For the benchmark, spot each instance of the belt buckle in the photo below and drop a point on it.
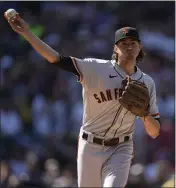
(90, 137)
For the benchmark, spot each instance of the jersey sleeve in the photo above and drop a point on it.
(85, 67)
(154, 111)
(66, 64)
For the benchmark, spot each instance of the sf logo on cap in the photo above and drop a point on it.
(125, 30)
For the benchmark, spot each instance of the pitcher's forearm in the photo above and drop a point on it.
(42, 48)
(152, 126)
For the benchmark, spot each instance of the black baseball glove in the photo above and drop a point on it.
(135, 97)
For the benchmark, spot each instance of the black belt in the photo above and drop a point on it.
(106, 142)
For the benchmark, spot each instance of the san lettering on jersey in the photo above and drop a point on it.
(107, 95)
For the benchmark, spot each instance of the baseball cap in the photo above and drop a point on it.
(126, 32)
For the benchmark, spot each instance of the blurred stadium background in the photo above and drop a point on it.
(41, 106)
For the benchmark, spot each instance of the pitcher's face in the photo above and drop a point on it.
(128, 48)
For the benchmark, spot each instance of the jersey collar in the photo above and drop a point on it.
(136, 76)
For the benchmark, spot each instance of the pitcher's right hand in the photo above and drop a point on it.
(17, 24)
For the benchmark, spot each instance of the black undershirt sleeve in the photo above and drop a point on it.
(158, 119)
(66, 64)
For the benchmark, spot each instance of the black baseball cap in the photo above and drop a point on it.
(126, 32)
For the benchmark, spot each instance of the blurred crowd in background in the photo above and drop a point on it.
(41, 105)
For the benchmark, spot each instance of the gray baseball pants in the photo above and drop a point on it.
(101, 166)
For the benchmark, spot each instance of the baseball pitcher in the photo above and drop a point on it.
(115, 93)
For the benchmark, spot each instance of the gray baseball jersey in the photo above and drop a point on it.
(101, 80)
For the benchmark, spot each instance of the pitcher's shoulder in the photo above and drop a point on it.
(96, 60)
(147, 78)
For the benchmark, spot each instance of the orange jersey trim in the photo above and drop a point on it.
(154, 114)
(77, 68)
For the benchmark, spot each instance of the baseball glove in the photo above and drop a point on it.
(135, 97)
